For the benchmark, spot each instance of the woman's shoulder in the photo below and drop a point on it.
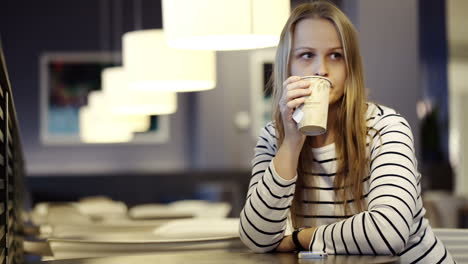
(269, 130)
(267, 138)
(378, 116)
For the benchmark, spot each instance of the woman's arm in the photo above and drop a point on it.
(393, 200)
(263, 218)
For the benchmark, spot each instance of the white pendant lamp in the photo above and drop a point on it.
(224, 24)
(125, 101)
(99, 125)
(152, 65)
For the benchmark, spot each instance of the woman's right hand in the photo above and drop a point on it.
(295, 92)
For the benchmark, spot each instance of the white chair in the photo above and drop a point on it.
(456, 241)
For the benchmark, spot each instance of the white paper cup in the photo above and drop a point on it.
(312, 116)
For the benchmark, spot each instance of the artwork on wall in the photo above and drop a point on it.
(261, 68)
(65, 81)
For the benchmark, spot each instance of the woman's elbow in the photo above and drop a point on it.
(399, 246)
(393, 246)
(255, 247)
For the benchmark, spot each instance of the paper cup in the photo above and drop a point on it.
(312, 116)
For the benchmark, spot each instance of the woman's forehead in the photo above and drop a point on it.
(316, 33)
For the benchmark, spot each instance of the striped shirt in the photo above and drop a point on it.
(392, 224)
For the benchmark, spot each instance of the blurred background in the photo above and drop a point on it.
(416, 61)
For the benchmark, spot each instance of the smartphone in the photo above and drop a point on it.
(312, 254)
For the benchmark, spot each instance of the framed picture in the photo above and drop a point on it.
(65, 81)
(261, 69)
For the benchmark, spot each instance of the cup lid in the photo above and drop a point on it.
(316, 76)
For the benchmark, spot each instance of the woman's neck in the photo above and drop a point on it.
(328, 137)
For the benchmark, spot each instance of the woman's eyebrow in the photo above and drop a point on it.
(313, 49)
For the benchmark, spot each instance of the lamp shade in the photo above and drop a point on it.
(99, 125)
(152, 65)
(224, 25)
(122, 100)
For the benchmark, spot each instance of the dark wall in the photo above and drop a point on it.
(30, 28)
(433, 55)
(140, 173)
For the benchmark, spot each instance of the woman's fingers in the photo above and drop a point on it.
(294, 103)
(291, 79)
(293, 94)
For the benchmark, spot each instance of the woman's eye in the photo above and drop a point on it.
(336, 55)
(306, 55)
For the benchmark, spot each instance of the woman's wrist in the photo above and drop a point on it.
(286, 245)
(305, 236)
(294, 145)
(297, 243)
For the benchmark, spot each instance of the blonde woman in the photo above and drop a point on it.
(353, 190)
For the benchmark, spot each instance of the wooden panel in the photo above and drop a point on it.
(11, 173)
(2, 232)
(2, 255)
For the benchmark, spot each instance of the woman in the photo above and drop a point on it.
(354, 189)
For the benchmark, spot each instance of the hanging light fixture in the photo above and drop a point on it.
(99, 125)
(152, 65)
(224, 25)
(122, 100)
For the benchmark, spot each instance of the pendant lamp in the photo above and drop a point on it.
(99, 125)
(152, 65)
(122, 100)
(224, 24)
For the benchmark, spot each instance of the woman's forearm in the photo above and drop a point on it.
(286, 160)
(305, 236)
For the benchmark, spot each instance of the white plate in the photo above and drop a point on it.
(109, 226)
(181, 209)
(196, 228)
(76, 248)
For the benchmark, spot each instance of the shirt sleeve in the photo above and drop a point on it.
(263, 219)
(392, 200)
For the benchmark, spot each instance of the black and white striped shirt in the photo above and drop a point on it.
(393, 223)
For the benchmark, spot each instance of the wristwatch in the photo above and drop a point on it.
(296, 241)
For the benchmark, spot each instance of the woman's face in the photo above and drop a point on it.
(317, 50)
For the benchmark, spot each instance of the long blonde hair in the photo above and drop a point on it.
(350, 136)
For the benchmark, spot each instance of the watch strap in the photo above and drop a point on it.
(295, 240)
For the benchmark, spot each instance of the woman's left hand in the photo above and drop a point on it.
(286, 245)
(304, 236)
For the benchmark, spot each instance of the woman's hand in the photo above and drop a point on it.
(304, 237)
(286, 159)
(295, 92)
(286, 245)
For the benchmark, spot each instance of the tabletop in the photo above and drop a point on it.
(238, 256)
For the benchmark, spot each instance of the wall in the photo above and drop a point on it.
(388, 35)
(203, 133)
(458, 88)
(220, 143)
(29, 28)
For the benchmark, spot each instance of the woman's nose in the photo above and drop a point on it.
(321, 69)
